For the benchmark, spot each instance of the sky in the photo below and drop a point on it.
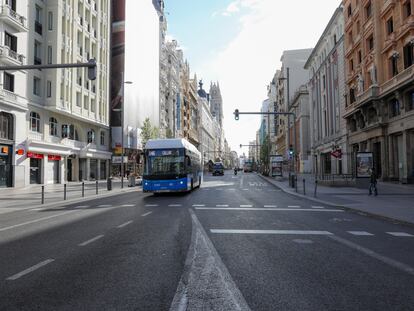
(239, 43)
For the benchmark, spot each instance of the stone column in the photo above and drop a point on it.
(62, 172)
(87, 169)
(404, 177)
(98, 168)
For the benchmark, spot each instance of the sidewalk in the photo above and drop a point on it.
(394, 201)
(12, 199)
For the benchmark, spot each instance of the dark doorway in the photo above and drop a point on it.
(69, 170)
(35, 171)
(377, 159)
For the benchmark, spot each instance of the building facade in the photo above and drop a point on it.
(68, 117)
(327, 101)
(14, 168)
(379, 45)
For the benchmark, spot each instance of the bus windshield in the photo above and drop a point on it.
(164, 163)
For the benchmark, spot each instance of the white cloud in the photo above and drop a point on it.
(247, 63)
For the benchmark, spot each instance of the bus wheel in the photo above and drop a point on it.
(192, 184)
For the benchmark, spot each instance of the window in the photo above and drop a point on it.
(37, 53)
(408, 55)
(6, 129)
(335, 39)
(102, 138)
(35, 122)
(352, 95)
(349, 10)
(50, 21)
(36, 86)
(53, 126)
(370, 43)
(393, 66)
(407, 9)
(359, 57)
(38, 20)
(8, 82)
(368, 10)
(410, 100)
(351, 65)
(395, 109)
(390, 26)
(91, 136)
(49, 54)
(49, 88)
(10, 41)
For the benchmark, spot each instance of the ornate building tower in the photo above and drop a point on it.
(216, 103)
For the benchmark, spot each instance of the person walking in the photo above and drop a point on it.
(373, 183)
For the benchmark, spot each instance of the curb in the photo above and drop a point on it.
(64, 203)
(347, 208)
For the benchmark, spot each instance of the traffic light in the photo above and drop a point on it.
(241, 145)
(291, 152)
(92, 69)
(236, 114)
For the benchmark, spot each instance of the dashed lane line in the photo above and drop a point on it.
(82, 206)
(104, 205)
(270, 205)
(293, 206)
(128, 205)
(35, 221)
(248, 205)
(29, 270)
(400, 234)
(360, 233)
(317, 207)
(151, 205)
(270, 209)
(198, 205)
(276, 232)
(146, 214)
(175, 205)
(222, 205)
(91, 240)
(125, 224)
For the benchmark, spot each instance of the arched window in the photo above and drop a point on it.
(53, 127)
(34, 122)
(91, 136)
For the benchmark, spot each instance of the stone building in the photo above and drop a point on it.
(379, 45)
(327, 101)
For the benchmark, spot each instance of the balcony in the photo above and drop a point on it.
(15, 20)
(37, 60)
(402, 78)
(38, 28)
(35, 136)
(371, 93)
(10, 57)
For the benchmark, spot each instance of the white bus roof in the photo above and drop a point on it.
(174, 143)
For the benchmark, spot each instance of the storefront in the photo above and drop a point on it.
(6, 168)
(52, 172)
(36, 160)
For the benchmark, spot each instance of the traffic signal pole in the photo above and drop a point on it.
(237, 114)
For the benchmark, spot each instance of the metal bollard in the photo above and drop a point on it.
(316, 187)
(96, 187)
(296, 183)
(83, 189)
(43, 194)
(304, 185)
(64, 192)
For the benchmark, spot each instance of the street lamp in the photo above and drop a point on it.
(122, 127)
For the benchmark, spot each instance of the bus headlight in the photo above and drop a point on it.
(181, 182)
(146, 184)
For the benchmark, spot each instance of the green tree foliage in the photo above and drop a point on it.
(169, 133)
(265, 154)
(148, 132)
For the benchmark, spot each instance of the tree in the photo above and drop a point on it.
(169, 133)
(148, 131)
(265, 154)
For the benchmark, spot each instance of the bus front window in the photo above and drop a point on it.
(164, 165)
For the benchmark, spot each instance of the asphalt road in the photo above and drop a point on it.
(238, 243)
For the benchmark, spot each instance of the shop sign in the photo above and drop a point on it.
(337, 153)
(4, 150)
(118, 160)
(33, 155)
(52, 157)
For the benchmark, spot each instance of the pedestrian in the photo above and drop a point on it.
(373, 183)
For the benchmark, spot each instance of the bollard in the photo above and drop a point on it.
(109, 184)
(43, 194)
(304, 184)
(316, 186)
(96, 187)
(296, 183)
(83, 189)
(64, 192)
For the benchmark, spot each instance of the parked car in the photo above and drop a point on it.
(218, 169)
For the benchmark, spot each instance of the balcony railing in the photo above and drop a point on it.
(13, 56)
(37, 60)
(401, 78)
(38, 27)
(8, 12)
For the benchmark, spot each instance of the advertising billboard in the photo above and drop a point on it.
(364, 164)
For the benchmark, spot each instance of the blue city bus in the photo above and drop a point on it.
(171, 165)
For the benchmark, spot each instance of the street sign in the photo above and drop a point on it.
(337, 153)
(118, 160)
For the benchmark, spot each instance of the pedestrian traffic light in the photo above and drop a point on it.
(291, 152)
(236, 114)
(92, 69)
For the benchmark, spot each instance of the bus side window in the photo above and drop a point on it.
(188, 161)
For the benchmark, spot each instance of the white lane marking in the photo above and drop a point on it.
(271, 209)
(317, 207)
(248, 205)
(151, 205)
(360, 233)
(198, 205)
(389, 261)
(175, 205)
(400, 234)
(37, 209)
(222, 205)
(293, 206)
(270, 206)
(128, 205)
(91, 240)
(125, 224)
(104, 205)
(29, 270)
(245, 189)
(146, 214)
(278, 232)
(34, 221)
(82, 206)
